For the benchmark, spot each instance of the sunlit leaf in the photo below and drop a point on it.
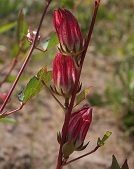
(7, 120)
(52, 42)
(32, 88)
(45, 75)
(102, 141)
(7, 27)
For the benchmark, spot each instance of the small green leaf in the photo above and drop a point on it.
(82, 96)
(7, 120)
(102, 141)
(22, 26)
(106, 136)
(115, 164)
(44, 75)
(52, 42)
(32, 88)
(7, 27)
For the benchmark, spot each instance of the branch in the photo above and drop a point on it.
(91, 152)
(27, 58)
(11, 112)
(53, 95)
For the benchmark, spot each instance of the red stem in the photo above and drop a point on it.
(4, 114)
(27, 58)
(69, 110)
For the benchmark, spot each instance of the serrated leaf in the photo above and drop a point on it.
(82, 96)
(44, 75)
(22, 26)
(125, 165)
(7, 27)
(32, 88)
(7, 120)
(115, 164)
(52, 42)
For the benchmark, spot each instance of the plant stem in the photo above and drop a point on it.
(53, 95)
(70, 107)
(27, 58)
(96, 148)
(4, 114)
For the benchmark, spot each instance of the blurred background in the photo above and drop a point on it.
(28, 138)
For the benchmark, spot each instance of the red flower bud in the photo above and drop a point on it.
(78, 127)
(68, 30)
(64, 74)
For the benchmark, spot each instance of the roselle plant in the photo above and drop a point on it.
(63, 81)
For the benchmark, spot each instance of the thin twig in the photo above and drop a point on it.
(95, 149)
(53, 95)
(42, 50)
(11, 112)
(27, 58)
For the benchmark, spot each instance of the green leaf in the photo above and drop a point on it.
(7, 120)
(32, 88)
(82, 96)
(102, 141)
(22, 26)
(7, 27)
(44, 75)
(115, 164)
(52, 42)
(125, 165)
(106, 136)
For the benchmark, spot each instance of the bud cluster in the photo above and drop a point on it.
(65, 64)
(64, 74)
